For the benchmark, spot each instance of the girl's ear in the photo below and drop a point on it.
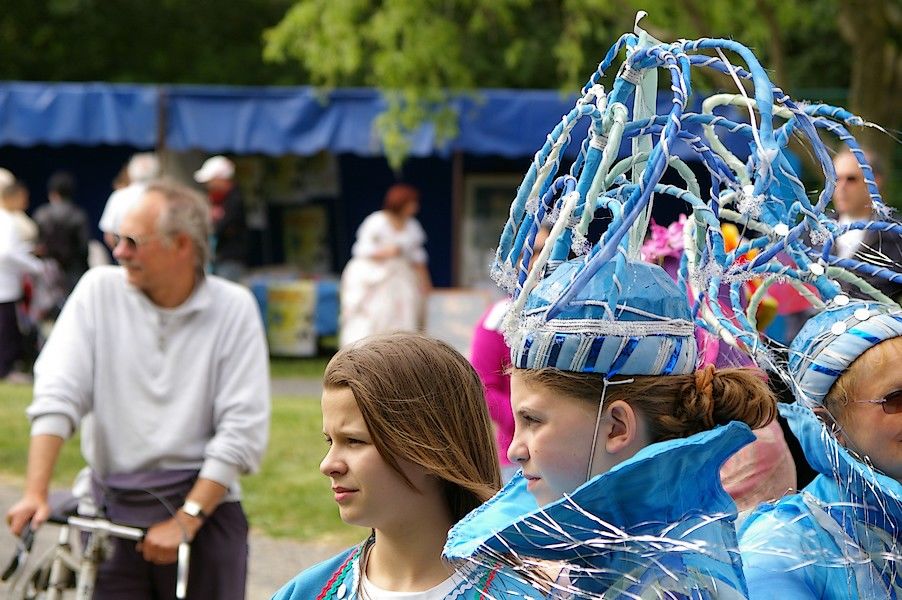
(623, 428)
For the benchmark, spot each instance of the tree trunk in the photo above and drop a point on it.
(876, 78)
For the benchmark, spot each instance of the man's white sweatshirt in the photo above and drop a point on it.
(177, 388)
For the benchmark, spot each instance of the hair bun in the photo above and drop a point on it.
(704, 381)
(742, 394)
(701, 408)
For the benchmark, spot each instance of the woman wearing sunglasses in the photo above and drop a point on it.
(839, 538)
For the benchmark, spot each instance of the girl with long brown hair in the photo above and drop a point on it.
(410, 452)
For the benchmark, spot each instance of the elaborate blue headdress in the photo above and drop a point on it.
(606, 313)
(832, 340)
(603, 311)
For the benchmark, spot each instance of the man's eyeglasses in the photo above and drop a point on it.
(891, 403)
(848, 178)
(132, 242)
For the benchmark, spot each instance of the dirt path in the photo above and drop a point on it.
(272, 562)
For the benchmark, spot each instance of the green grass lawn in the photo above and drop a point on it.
(311, 368)
(287, 498)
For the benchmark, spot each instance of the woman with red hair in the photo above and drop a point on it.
(384, 285)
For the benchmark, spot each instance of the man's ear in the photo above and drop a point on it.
(183, 242)
(624, 427)
(830, 421)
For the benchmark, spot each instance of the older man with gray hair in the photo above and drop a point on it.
(172, 368)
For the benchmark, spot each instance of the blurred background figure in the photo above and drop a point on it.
(217, 174)
(63, 230)
(16, 261)
(34, 284)
(852, 202)
(490, 356)
(14, 200)
(384, 285)
(121, 180)
(142, 167)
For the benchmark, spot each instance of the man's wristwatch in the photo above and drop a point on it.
(194, 509)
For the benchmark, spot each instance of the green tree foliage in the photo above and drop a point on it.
(141, 41)
(420, 51)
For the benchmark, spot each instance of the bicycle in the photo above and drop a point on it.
(68, 565)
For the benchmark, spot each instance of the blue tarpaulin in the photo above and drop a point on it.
(303, 121)
(86, 114)
(275, 120)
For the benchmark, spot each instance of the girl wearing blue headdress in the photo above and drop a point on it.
(620, 441)
(841, 536)
(410, 452)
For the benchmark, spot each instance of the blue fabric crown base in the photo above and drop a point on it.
(648, 332)
(819, 355)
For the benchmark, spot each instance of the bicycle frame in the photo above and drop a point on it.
(64, 560)
(94, 553)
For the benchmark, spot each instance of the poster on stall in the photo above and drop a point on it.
(452, 314)
(290, 311)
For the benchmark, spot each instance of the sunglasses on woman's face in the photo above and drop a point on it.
(891, 403)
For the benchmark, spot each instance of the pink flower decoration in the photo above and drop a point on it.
(664, 241)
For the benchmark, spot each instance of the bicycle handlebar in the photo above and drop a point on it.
(134, 533)
(181, 582)
(92, 525)
(23, 548)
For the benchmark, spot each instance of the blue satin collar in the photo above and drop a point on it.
(662, 484)
(874, 496)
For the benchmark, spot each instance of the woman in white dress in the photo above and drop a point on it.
(384, 285)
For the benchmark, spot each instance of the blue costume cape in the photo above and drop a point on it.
(498, 585)
(837, 539)
(308, 584)
(658, 522)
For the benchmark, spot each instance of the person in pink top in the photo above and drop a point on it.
(490, 356)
